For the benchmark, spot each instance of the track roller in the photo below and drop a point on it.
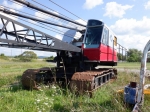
(88, 81)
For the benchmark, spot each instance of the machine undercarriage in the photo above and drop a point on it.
(85, 81)
(81, 77)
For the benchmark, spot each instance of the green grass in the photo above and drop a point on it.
(55, 99)
(132, 65)
(11, 71)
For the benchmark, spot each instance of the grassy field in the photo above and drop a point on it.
(132, 65)
(55, 99)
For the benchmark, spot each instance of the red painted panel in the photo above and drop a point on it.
(103, 53)
(112, 54)
(91, 53)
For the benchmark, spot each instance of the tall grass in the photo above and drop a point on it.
(53, 98)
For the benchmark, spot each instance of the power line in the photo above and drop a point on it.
(26, 13)
(52, 10)
(45, 27)
(66, 10)
(59, 13)
(49, 8)
(28, 4)
(52, 16)
(38, 11)
(32, 17)
(38, 22)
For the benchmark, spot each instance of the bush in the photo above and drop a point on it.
(51, 58)
(134, 55)
(2, 56)
(26, 56)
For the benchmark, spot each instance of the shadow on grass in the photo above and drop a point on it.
(14, 87)
(18, 77)
(58, 107)
(106, 106)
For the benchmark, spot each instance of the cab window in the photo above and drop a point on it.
(105, 36)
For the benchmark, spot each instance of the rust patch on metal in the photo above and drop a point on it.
(28, 78)
(32, 77)
(81, 82)
(88, 81)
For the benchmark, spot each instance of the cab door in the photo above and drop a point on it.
(104, 45)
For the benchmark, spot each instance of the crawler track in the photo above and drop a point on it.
(88, 81)
(31, 78)
(85, 81)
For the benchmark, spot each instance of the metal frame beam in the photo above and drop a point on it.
(42, 41)
(35, 19)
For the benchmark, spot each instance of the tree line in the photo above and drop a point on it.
(26, 56)
(132, 55)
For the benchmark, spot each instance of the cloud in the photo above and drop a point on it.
(81, 21)
(133, 41)
(124, 26)
(9, 25)
(58, 37)
(147, 5)
(14, 5)
(132, 33)
(77, 26)
(90, 4)
(42, 16)
(113, 9)
(7, 15)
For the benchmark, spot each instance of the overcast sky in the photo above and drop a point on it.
(128, 19)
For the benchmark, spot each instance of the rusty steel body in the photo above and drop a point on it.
(81, 82)
(140, 95)
(88, 81)
(32, 77)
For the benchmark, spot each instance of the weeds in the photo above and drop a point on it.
(55, 99)
(43, 103)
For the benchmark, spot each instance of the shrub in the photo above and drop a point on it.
(2, 56)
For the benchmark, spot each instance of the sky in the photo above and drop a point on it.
(128, 19)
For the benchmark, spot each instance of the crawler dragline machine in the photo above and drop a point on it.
(76, 58)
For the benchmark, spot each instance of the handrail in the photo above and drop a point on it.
(140, 95)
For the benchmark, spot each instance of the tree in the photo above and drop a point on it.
(121, 57)
(49, 59)
(134, 55)
(27, 56)
(2, 56)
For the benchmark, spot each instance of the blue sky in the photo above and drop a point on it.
(128, 19)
